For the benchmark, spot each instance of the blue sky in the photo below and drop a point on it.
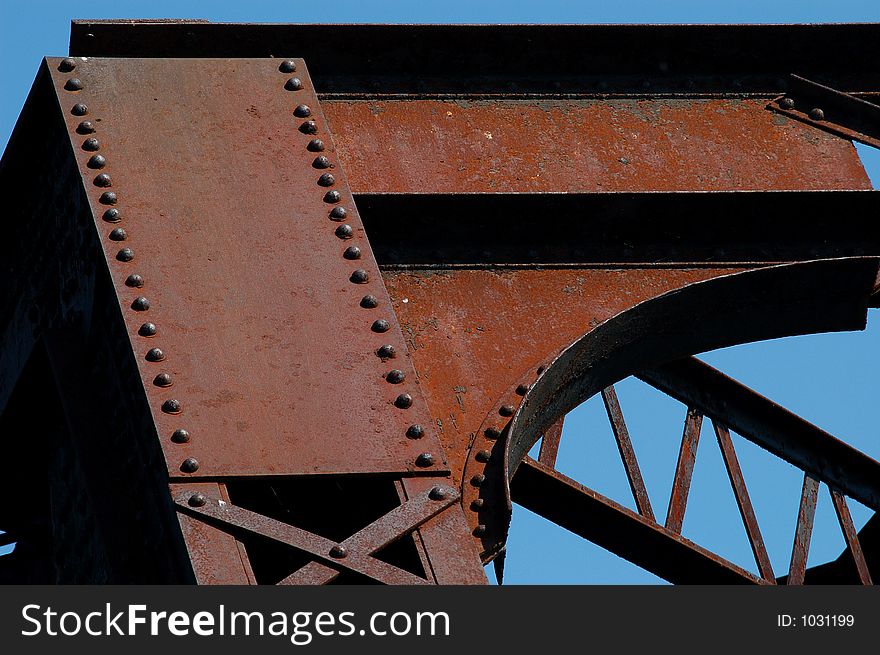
(828, 379)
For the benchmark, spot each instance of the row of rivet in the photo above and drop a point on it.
(484, 455)
(344, 231)
(816, 113)
(125, 254)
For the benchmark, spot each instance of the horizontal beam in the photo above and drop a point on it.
(620, 530)
(518, 59)
(770, 426)
(657, 228)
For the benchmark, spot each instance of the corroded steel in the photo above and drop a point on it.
(345, 387)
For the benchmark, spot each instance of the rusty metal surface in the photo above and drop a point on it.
(472, 146)
(851, 536)
(830, 110)
(471, 341)
(627, 454)
(261, 326)
(770, 426)
(803, 531)
(621, 530)
(743, 502)
(684, 470)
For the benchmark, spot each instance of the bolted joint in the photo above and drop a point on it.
(190, 465)
(140, 304)
(180, 436)
(172, 406)
(155, 355)
(395, 376)
(198, 499)
(147, 330)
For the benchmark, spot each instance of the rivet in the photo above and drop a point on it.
(439, 493)
(480, 530)
(332, 196)
(293, 84)
(415, 432)
(66, 65)
(134, 280)
(180, 436)
(171, 406)
(155, 355)
(309, 127)
(817, 114)
(477, 504)
(140, 304)
(118, 234)
(315, 145)
(147, 330)
(125, 255)
(786, 103)
(190, 465)
(478, 479)
(79, 109)
(425, 459)
(380, 325)
(344, 231)
(522, 389)
(108, 198)
(360, 276)
(492, 433)
(395, 376)
(91, 144)
(338, 214)
(326, 179)
(302, 111)
(111, 216)
(540, 370)
(483, 456)
(198, 499)
(507, 410)
(352, 252)
(97, 161)
(73, 84)
(321, 162)
(338, 551)
(86, 127)
(405, 401)
(162, 380)
(386, 352)
(287, 66)
(103, 180)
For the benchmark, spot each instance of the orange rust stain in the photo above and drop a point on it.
(474, 333)
(422, 146)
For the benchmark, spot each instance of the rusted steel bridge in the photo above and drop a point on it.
(290, 304)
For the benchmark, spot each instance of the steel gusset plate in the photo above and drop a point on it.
(265, 338)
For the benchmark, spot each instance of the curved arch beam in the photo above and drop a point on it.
(777, 301)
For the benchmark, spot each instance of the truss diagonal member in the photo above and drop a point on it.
(770, 426)
(397, 523)
(550, 443)
(746, 511)
(851, 536)
(804, 531)
(627, 453)
(684, 471)
(620, 530)
(328, 552)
